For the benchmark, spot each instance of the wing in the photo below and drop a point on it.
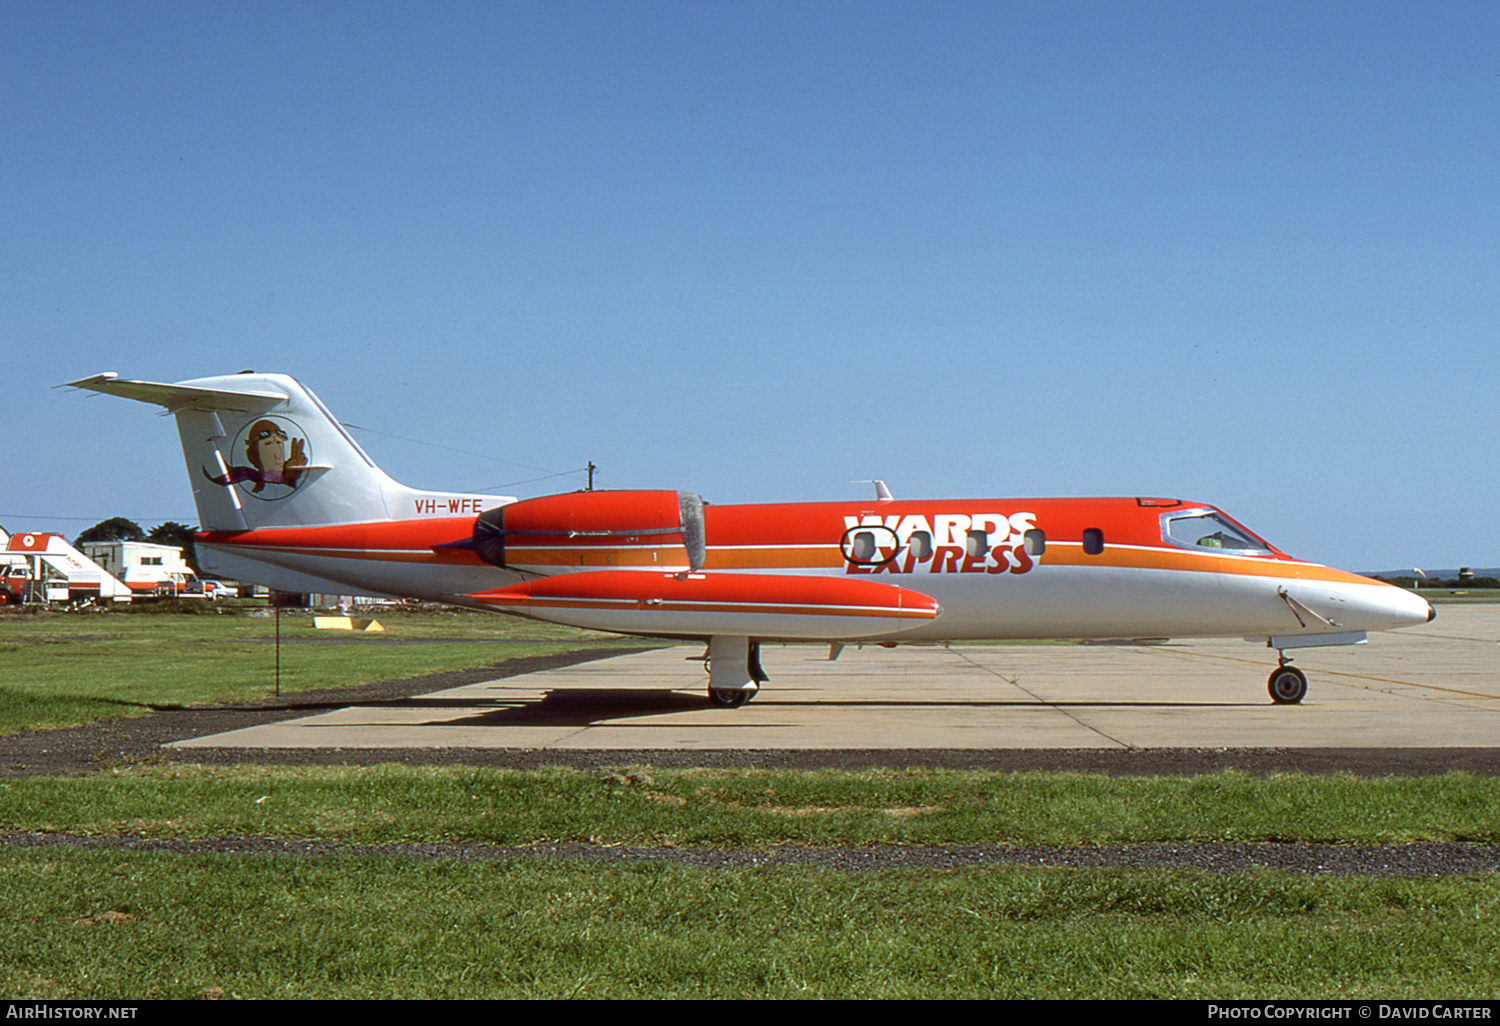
(764, 606)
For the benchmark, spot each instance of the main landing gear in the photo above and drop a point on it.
(730, 698)
(1287, 684)
(734, 671)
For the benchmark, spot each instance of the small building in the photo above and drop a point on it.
(145, 567)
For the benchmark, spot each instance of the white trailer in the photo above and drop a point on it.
(145, 567)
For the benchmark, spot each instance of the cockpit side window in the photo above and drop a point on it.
(1207, 530)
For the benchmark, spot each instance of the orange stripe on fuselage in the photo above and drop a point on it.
(825, 557)
(1140, 558)
(595, 556)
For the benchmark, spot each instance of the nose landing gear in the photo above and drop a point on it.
(1287, 684)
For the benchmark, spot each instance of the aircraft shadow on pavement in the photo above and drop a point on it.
(578, 707)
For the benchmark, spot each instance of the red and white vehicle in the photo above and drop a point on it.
(15, 583)
(43, 567)
(212, 589)
(288, 499)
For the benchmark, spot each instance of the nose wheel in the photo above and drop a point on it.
(1287, 684)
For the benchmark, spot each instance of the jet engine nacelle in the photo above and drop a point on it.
(659, 530)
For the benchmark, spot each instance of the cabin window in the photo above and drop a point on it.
(869, 545)
(863, 547)
(1093, 541)
(921, 544)
(1212, 531)
(1034, 541)
(977, 543)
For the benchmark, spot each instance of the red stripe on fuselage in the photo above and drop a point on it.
(397, 540)
(806, 536)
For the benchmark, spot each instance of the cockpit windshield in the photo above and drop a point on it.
(1205, 529)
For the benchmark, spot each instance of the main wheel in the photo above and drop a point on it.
(1288, 685)
(729, 698)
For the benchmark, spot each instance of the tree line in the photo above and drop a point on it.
(123, 529)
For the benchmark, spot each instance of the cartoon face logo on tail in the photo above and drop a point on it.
(277, 451)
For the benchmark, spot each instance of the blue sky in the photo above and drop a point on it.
(1243, 253)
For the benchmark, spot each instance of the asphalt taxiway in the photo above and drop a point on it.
(1436, 686)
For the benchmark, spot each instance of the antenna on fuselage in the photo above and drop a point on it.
(882, 493)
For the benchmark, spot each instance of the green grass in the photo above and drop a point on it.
(1441, 596)
(65, 669)
(109, 925)
(748, 808)
(96, 924)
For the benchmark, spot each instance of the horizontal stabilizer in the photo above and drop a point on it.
(181, 397)
(698, 605)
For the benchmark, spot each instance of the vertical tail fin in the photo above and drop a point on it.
(263, 451)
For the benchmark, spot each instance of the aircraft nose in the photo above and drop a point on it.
(1412, 609)
(1386, 607)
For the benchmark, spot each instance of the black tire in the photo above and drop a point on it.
(729, 698)
(1287, 685)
